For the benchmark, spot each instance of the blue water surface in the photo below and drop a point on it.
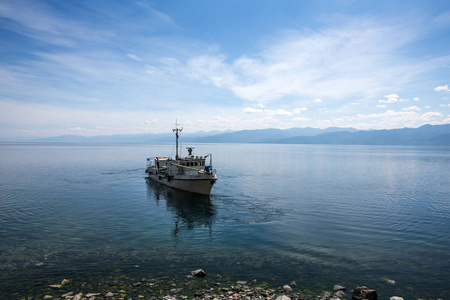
(318, 215)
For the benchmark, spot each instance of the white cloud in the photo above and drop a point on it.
(411, 108)
(275, 112)
(134, 57)
(381, 106)
(442, 88)
(391, 98)
(253, 110)
(301, 119)
(297, 111)
(429, 116)
(278, 112)
(416, 99)
(338, 63)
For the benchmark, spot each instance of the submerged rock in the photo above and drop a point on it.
(284, 297)
(287, 288)
(338, 287)
(198, 273)
(339, 294)
(363, 292)
(78, 296)
(389, 281)
(396, 298)
(89, 295)
(55, 286)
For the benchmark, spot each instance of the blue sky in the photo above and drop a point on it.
(119, 67)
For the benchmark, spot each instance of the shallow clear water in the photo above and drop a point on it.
(315, 214)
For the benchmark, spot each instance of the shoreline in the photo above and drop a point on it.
(193, 286)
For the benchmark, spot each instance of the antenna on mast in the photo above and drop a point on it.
(176, 130)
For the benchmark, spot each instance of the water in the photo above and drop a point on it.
(318, 215)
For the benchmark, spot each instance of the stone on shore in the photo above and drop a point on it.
(363, 292)
(396, 298)
(198, 273)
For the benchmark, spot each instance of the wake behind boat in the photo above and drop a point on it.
(191, 173)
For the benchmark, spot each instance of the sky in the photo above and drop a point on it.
(130, 67)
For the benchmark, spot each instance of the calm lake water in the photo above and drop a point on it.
(318, 215)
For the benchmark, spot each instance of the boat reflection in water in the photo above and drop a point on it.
(191, 210)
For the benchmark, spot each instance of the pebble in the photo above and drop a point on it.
(283, 297)
(215, 291)
(287, 288)
(78, 296)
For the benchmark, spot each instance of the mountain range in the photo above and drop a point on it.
(437, 135)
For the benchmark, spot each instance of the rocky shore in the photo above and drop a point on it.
(195, 287)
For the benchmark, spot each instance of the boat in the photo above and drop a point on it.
(190, 173)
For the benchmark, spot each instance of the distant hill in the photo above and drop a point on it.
(425, 135)
(438, 135)
(267, 135)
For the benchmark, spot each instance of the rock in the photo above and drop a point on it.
(176, 291)
(199, 273)
(48, 297)
(339, 294)
(363, 292)
(396, 298)
(64, 281)
(338, 287)
(109, 295)
(389, 281)
(55, 286)
(241, 282)
(78, 296)
(284, 297)
(68, 294)
(287, 288)
(89, 295)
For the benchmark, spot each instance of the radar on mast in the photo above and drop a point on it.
(176, 130)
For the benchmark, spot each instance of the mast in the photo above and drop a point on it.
(176, 130)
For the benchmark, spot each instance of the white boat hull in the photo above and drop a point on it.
(200, 184)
